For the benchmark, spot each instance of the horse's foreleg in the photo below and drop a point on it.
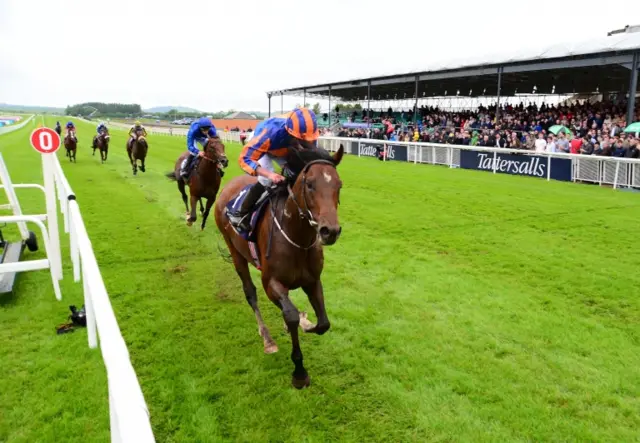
(185, 199)
(142, 167)
(316, 298)
(279, 295)
(242, 268)
(191, 217)
(201, 207)
(205, 214)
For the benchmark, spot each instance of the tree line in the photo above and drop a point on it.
(105, 109)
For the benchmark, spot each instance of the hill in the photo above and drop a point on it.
(28, 108)
(159, 109)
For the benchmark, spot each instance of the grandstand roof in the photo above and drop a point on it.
(240, 116)
(601, 64)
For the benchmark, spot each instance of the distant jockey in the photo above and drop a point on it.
(199, 131)
(58, 129)
(271, 141)
(71, 131)
(136, 130)
(100, 129)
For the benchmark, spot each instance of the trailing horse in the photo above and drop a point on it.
(102, 143)
(204, 179)
(70, 145)
(289, 227)
(137, 150)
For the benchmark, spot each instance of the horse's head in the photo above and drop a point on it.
(214, 150)
(316, 189)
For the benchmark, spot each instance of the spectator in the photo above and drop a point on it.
(541, 143)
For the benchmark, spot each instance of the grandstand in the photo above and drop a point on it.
(598, 68)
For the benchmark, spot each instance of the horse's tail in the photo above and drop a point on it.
(171, 176)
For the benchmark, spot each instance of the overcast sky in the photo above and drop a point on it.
(219, 55)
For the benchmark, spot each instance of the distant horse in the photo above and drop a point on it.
(137, 150)
(204, 179)
(102, 143)
(300, 217)
(70, 145)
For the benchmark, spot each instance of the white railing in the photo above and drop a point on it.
(129, 416)
(616, 171)
(128, 411)
(15, 127)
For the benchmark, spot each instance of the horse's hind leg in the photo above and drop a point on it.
(205, 214)
(279, 295)
(192, 217)
(185, 199)
(242, 268)
(201, 207)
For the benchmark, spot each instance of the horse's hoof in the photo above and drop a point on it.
(271, 349)
(300, 383)
(189, 223)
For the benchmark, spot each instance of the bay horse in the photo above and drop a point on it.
(102, 143)
(137, 150)
(204, 179)
(304, 213)
(70, 145)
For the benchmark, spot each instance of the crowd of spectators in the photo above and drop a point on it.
(596, 128)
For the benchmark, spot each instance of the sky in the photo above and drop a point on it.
(220, 55)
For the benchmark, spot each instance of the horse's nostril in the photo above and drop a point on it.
(324, 232)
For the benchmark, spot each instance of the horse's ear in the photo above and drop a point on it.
(337, 157)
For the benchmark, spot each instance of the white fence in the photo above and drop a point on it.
(11, 128)
(616, 171)
(129, 416)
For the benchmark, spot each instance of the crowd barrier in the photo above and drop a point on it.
(11, 128)
(615, 171)
(129, 416)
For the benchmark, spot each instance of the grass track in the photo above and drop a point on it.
(465, 306)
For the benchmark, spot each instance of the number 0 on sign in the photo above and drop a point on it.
(45, 140)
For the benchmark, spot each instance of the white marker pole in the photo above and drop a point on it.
(48, 171)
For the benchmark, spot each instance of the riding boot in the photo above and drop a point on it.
(187, 167)
(240, 219)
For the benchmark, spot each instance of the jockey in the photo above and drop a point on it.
(58, 128)
(100, 129)
(71, 131)
(270, 141)
(133, 132)
(199, 131)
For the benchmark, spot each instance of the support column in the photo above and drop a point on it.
(415, 106)
(633, 87)
(369, 100)
(329, 106)
(282, 102)
(269, 97)
(304, 98)
(499, 86)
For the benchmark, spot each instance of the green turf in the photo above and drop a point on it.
(465, 306)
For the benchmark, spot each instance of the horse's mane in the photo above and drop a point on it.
(298, 159)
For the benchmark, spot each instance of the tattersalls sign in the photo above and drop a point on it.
(517, 164)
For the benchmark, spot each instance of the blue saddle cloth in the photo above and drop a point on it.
(256, 213)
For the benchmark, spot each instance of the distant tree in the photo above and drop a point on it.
(316, 109)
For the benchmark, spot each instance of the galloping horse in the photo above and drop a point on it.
(304, 214)
(102, 143)
(204, 180)
(137, 150)
(71, 147)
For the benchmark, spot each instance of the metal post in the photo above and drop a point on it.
(633, 86)
(415, 107)
(329, 106)
(369, 100)
(282, 102)
(499, 85)
(304, 98)
(269, 96)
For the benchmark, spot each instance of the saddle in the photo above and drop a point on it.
(255, 213)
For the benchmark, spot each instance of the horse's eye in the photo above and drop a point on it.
(310, 186)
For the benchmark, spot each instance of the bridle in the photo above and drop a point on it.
(212, 160)
(305, 213)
